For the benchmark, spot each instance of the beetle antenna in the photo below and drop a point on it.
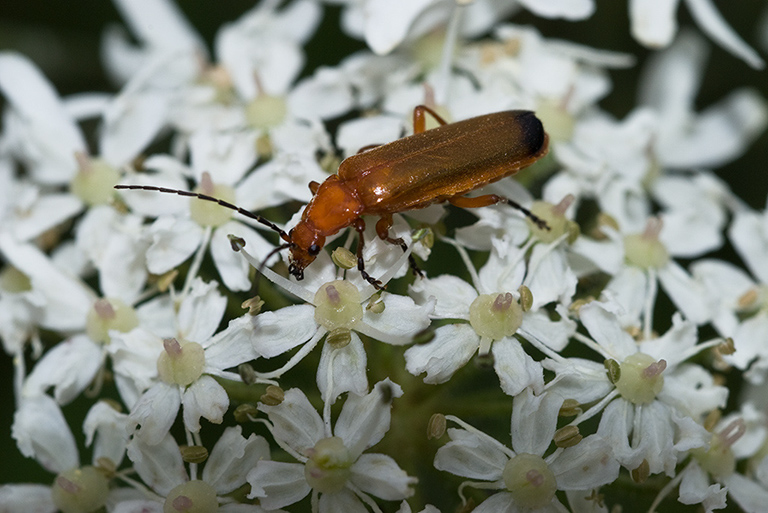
(239, 210)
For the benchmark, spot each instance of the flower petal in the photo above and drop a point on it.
(231, 459)
(380, 475)
(277, 484)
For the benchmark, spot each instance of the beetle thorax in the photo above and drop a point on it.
(334, 207)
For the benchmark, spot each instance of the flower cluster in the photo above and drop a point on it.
(189, 328)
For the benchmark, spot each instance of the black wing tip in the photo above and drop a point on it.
(532, 130)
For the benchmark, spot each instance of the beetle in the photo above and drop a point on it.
(430, 166)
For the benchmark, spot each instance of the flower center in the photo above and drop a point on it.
(338, 305)
(641, 378)
(80, 490)
(180, 364)
(109, 314)
(554, 216)
(495, 316)
(645, 250)
(719, 460)
(191, 497)
(14, 281)
(327, 469)
(266, 111)
(94, 181)
(208, 213)
(530, 481)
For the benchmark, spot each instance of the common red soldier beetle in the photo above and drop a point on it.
(430, 166)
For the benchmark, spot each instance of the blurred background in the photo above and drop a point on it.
(63, 39)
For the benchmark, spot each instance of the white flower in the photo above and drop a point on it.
(332, 465)
(161, 467)
(42, 432)
(654, 25)
(495, 315)
(342, 308)
(526, 477)
(156, 376)
(651, 413)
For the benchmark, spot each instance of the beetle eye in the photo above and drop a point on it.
(313, 250)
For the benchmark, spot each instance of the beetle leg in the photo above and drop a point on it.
(360, 227)
(420, 118)
(492, 199)
(382, 229)
(313, 187)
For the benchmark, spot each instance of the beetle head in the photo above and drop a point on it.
(306, 244)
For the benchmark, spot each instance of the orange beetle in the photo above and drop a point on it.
(430, 166)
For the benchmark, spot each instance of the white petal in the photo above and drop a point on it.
(606, 331)
(387, 22)
(364, 420)
(69, 367)
(135, 354)
(567, 9)
(204, 398)
(201, 311)
(174, 239)
(277, 484)
(400, 321)
(450, 350)
(47, 212)
(122, 268)
(155, 412)
(748, 235)
(688, 295)
(41, 432)
(231, 347)
(674, 345)
(295, 421)
(357, 133)
(342, 370)
(380, 475)
(653, 21)
(226, 156)
(30, 498)
(672, 78)
(549, 277)
(515, 368)
(503, 502)
(68, 300)
(233, 268)
(326, 94)
(36, 101)
(695, 489)
(231, 459)
(583, 380)
(159, 23)
(616, 427)
(554, 334)
(343, 500)
(453, 295)
(749, 495)
(534, 420)
(692, 391)
(277, 332)
(159, 465)
(110, 429)
(131, 122)
(713, 24)
(629, 288)
(470, 455)
(588, 464)
(719, 134)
